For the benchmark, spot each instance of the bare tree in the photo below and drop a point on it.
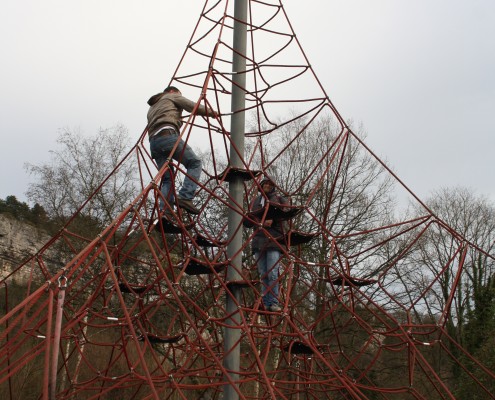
(344, 189)
(452, 257)
(345, 192)
(80, 169)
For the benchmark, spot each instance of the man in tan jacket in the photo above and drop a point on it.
(164, 122)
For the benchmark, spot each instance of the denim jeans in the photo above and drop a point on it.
(268, 265)
(161, 147)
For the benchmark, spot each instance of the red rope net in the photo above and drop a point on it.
(368, 295)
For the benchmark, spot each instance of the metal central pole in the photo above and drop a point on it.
(232, 331)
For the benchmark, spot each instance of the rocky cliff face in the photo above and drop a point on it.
(18, 241)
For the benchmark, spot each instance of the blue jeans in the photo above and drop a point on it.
(268, 265)
(161, 147)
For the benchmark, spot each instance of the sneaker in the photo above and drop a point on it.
(187, 205)
(168, 214)
(274, 308)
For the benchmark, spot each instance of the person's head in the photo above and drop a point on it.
(171, 89)
(267, 184)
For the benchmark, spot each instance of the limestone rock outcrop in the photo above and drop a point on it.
(18, 241)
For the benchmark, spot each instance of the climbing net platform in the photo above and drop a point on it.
(369, 286)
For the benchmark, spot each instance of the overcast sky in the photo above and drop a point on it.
(419, 75)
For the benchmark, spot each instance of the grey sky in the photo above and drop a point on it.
(417, 74)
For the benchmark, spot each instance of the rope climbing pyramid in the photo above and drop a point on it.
(169, 305)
